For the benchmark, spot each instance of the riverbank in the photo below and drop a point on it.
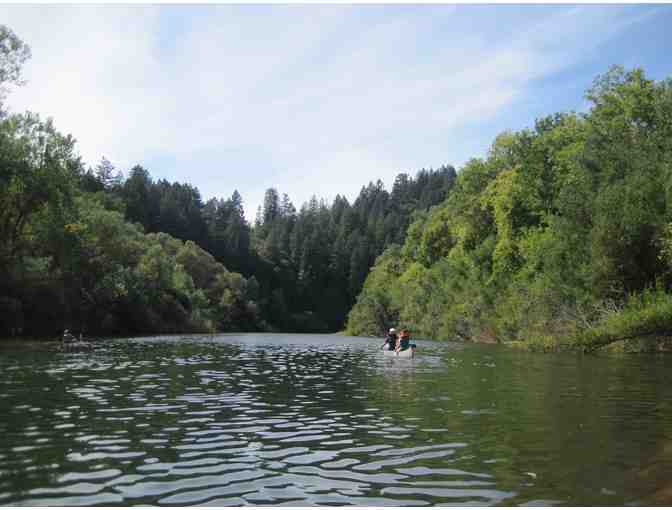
(640, 345)
(641, 323)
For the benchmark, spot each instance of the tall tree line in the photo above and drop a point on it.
(309, 264)
(560, 237)
(96, 250)
(96, 253)
(313, 262)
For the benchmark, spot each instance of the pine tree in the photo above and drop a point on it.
(286, 207)
(138, 197)
(271, 205)
(105, 173)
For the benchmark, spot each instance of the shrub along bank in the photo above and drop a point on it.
(560, 238)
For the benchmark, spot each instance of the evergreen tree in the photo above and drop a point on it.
(271, 208)
(140, 205)
(105, 172)
(286, 207)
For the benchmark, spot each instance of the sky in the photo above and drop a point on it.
(315, 99)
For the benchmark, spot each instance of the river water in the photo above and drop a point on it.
(259, 419)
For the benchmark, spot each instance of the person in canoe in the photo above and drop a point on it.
(404, 341)
(391, 340)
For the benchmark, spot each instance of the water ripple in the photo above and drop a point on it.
(256, 420)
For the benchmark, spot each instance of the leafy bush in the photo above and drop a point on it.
(534, 240)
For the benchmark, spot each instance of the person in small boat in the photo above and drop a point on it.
(391, 340)
(404, 341)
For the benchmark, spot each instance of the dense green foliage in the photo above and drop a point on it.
(68, 259)
(309, 265)
(561, 236)
(94, 251)
(314, 262)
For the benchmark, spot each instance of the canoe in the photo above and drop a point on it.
(76, 346)
(408, 353)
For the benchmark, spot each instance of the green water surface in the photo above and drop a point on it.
(259, 419)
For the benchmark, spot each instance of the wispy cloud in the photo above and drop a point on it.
(310, 99)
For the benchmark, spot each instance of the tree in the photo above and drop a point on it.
(286, 207)
(271, 209)
(13, 54)
(38, 168)
(141, 206)
(105, 173)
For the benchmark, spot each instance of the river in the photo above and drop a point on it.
(271, 419)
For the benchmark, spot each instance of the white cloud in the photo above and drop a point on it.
(309, 99)
(92, 71)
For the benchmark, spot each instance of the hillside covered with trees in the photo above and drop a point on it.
(561, 236)
(93, 250)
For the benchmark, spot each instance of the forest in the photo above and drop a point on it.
(560, 238)
(103, 253)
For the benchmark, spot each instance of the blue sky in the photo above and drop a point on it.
(316, 99)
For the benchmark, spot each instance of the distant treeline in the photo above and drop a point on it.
(92, 250)
(312, 264)
(561, 236)
(306, 267)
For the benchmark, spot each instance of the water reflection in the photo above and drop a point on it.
(301, 420)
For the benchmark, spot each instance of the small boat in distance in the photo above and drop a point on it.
(406, 353)
(70, 343)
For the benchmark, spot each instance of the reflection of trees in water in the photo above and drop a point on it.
(651, 478)
(576, 422)
(21, 423)
(398, 382)
(322, 379)
(574, 429)
(565, 425)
